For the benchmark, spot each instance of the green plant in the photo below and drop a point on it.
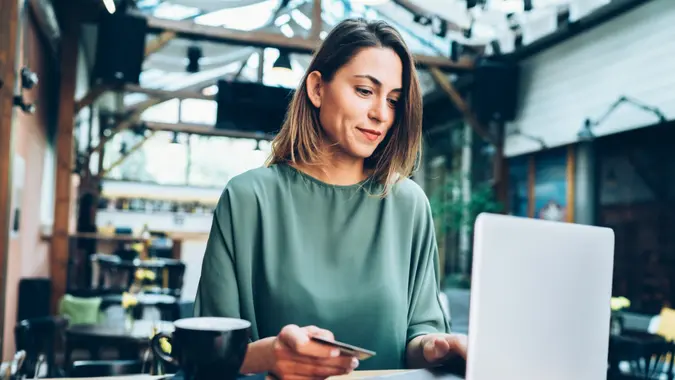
(448, 205)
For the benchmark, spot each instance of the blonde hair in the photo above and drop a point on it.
(301, 137)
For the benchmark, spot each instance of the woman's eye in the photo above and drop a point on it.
(363, 91)
(393, 102)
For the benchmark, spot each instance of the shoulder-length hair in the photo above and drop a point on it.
(300, 137)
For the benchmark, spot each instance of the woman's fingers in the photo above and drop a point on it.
(309, 370)
(297, 340)
(323, 333)
(347, 362)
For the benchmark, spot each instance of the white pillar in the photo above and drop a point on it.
(585, 192)
(465, 183)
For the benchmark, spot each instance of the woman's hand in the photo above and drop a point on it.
(297, 357)
(438, 347)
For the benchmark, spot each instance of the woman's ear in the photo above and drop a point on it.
(314, 86)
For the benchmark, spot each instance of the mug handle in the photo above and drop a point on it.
(157, 348)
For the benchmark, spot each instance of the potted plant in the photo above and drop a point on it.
(617, 304)
(456, 213)
(129, 302)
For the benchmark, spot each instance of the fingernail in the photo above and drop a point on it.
(334, 353)
(355, 363)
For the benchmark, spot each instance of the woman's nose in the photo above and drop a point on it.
(380, 111)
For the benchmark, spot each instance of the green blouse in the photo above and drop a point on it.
(286, 248)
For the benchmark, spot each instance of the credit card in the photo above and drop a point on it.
(346, 349)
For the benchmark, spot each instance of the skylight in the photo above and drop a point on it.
(301, 19)
(171, 11)
(244, 18)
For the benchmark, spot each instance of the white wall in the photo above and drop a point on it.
(632, 55)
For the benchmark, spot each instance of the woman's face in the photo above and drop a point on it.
(358, 106)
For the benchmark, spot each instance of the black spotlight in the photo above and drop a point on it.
(194, 53)
(422, 20)
(439, 26)
(28, 78)
(527, 5)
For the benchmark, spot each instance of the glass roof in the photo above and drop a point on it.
(492, 20)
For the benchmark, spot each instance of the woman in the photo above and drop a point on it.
(332, 233)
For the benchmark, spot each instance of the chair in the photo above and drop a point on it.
(645, 358)
(37, 337)
(101, 368)
(171, 273)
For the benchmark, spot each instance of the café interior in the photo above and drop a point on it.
(121, 121)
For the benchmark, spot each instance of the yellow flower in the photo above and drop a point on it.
(145, 274)
(618, 303)
(165, 345)
(128, 300)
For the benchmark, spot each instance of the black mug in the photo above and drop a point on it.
(205, 347)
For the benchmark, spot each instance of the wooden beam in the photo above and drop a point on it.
(317, 23)
(461, 105)
(167, 94)
(59, 249)
(190, 30)
(9, 19)
(133, 149)
(90, 97)
(125, 124)
(205, 130)
(158, 43)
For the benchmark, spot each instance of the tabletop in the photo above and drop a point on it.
(353, 375)
(416, 374)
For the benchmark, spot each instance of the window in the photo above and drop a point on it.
(203, 161)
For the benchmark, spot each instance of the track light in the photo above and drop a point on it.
(496, 48)
(28, 78)
(194, 53)
(439, 26)
(25, 107)
(456, 50)
(422, 20)
(469, 32)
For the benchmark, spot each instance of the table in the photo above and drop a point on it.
(421, 374)
(126, 341)
(631, 346)
(354, 375)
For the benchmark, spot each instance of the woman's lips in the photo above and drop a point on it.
(370, 134)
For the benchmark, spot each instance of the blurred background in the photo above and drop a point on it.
(121, 121)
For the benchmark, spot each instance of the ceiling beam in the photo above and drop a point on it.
(158, 43)
(191, 30)
(166, 94)
(317, 23)
(450, 90)
(205, 130)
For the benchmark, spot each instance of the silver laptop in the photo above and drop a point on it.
(540, 300)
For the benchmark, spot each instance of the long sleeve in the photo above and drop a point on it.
(425, 313)
(218, 292)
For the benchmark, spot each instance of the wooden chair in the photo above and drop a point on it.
(38, 337)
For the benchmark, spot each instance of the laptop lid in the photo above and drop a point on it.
(540, 300)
